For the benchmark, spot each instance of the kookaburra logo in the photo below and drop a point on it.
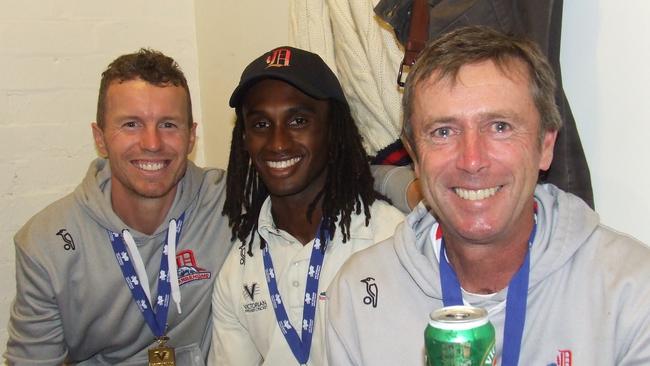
(67, 238)
(372, 290)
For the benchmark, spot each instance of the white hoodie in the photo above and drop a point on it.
(588, 296)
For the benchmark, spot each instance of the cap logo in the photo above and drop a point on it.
(280, 57)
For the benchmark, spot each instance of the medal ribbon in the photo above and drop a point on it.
(515, 301)
(300, 349)
(156, 321)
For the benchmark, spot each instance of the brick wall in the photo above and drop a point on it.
(51, 57)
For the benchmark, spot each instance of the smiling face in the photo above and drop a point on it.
(478, 150)
(146, 137)
(286, 135)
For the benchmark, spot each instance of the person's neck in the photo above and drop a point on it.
(487, 267)
(290, 215)
(142, 214)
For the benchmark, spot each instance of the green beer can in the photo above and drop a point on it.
(460, 336)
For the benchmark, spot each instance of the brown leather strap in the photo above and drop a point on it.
(418, 36)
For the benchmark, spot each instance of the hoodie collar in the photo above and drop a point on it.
(415, 251)
(94, 195)
(564, 224)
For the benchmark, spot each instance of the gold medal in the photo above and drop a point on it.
(162, 355)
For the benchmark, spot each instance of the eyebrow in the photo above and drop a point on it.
(499, 114)
(481, 116)
(139, 118)
(292, 110)
(302, 108)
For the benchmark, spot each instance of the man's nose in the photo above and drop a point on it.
(473, 154)
(280, 139)
(150, 139)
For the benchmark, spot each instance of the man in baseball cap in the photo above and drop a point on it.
(300, 200)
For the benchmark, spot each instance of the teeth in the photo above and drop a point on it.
(150, 166)
(282, 163)
(475, 195)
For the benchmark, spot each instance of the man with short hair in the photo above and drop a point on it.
(560, 288)
(300, 201)
(121, 271)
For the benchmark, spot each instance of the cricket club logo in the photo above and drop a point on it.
(251, 290)
(564, 358)
(250, 305)
(188, 271)
(279, 57)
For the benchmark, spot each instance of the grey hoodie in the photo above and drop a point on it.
(588, 296)
(72, 301)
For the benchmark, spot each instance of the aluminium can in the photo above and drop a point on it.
(460, 336)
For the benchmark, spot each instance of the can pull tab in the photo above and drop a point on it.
(458, 316)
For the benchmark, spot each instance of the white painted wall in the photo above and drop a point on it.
(51, 56)
(606, 74)
(230, 35)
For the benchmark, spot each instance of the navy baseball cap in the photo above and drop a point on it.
(302, 69)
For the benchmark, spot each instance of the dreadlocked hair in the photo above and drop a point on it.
(343, 194)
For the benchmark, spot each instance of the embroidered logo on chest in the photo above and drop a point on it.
(372, 292)
(564, 358)
(251, 290)
(67, 238)
(188, 270)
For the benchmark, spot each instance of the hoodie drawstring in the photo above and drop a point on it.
(171, 263)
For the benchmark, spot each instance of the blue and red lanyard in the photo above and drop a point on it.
(515, 301)
(300, 346)
(157, 321)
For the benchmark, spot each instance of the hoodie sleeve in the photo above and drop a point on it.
(630, 291)
(637, 353)
(394, 182)
(341, 336)
(35, 329)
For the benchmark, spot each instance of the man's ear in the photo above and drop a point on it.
(548, 143)
(411, 151)
(413, 190)
(407, 146)
(192, 138)
(98, 136)
(243, 142)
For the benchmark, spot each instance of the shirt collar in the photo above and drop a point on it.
(267, 227)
